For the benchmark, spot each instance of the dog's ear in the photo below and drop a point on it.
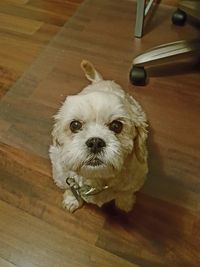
(140, 123)
(55, 134)
(58, 133)
(90, 72)
(140, 143)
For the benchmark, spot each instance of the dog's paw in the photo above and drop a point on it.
(61, 184)
(70, 203)
(125, 203)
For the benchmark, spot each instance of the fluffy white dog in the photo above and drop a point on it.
(99, 145)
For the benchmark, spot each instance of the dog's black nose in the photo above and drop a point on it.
(95, 144)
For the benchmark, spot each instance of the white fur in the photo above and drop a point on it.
(125, 156)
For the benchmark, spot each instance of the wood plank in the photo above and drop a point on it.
(169, 2)
(61, 7)
(26, 240)
(25, 31)
(18, 2)
(5, 263)
(163, 229)
(34, 13)
(152, 234)
(26, 183)
(18, 24)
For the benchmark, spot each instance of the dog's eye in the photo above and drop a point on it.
(116, 126)
(75, 126)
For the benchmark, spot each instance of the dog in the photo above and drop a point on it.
(99, 151)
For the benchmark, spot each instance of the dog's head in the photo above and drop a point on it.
(99, 128)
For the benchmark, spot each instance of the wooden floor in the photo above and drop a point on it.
(26, 27)
(41, 49)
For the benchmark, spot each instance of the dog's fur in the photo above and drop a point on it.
(123, 160)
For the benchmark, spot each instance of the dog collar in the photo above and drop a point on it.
(83, 191)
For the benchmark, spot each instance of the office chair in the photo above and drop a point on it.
(158, 54)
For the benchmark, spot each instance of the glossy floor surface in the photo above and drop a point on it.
(163, 229)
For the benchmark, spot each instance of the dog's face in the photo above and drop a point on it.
(98, 130)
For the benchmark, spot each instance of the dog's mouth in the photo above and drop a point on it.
(94, 162)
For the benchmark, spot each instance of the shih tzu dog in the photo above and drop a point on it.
(99, 149)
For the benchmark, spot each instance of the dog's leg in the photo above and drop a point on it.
(125, 201)
(70, 202)
(59, 177)
(58, 173)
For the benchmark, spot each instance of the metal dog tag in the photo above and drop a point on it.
(74, 188)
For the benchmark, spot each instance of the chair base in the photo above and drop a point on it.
(161, 54)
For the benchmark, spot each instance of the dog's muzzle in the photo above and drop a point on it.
(94, 162)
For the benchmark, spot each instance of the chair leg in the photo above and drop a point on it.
(161, 54)
(140, 15)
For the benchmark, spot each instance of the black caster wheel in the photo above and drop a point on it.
(179, 17)
(138, 76)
